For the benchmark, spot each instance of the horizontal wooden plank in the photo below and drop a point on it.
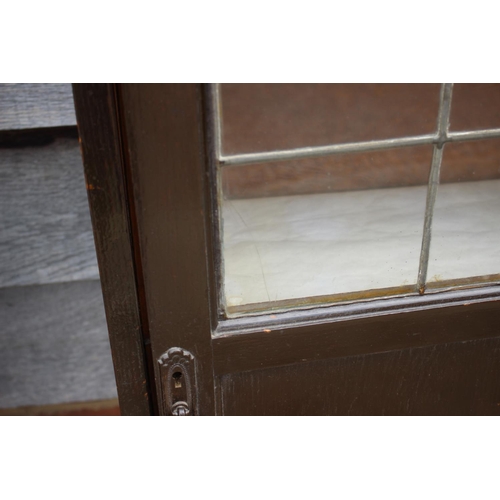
(265, 341)
(45, 229)
(265, 117)
(54, 345)
(34, 105)
(107, 407)
(449, 379)
(471, 161)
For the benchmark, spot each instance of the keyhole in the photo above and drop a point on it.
(177, 376)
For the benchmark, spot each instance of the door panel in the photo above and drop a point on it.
(448, 379)
(276, 340)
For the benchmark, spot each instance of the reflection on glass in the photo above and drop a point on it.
(344, 227)
(340, 226)
(266, 117)
(476, 106)
(465, 244)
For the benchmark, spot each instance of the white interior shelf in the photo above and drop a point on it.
(291, 247)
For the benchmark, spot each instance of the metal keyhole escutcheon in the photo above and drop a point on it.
(177, 370)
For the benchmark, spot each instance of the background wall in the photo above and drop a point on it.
(54, 344)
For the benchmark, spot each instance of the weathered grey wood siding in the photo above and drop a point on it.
(34, 105)
(45, 229)
(54, 345)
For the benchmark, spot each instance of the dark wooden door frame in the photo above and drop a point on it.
(107, 183)
(143, 149)
(148, 163)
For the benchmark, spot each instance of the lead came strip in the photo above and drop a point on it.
(332, 149)
(437, 156)
(312, 152)
(217, 116)
(355, 147)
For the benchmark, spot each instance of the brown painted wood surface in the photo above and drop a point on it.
(437, 359)
(471, 161)
(291, 343)
(108, 198)
(262, 117)
(475, 106)
(35, 105)
(269, 116)
(447, 379)
(165, 145)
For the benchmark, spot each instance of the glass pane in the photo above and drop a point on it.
(343, 227)
(465, 243)
(475, 106)
(266, 117)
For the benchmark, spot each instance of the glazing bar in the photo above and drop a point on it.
(473, 135)
(356, 147)
(441, 137)
(217, 118)
(311, 152)
(443, 124)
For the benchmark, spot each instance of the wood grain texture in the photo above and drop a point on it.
(448, 379)
(34, 105)
(291, 342)
(150, 216)
(54, 345)
(472, 161)
(268, 116)
(475, 106)
(100, 135)
(166, 149)
(260, 117)
(45, 230)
